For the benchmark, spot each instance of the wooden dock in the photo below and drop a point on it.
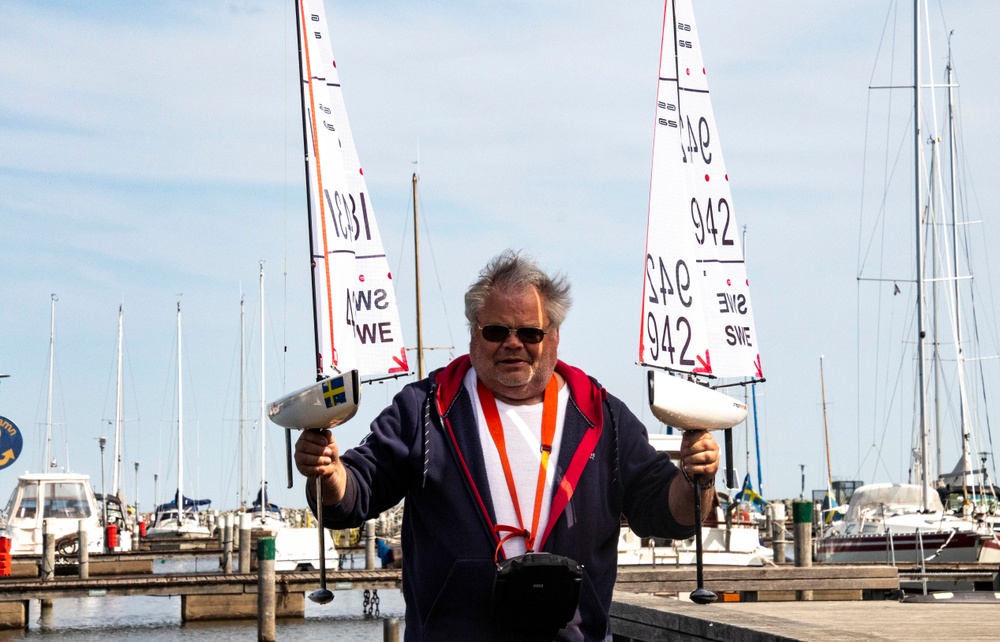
(179, 584)
(763, 583)
(204, 596)
(639, 617)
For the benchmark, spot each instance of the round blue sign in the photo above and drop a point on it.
(10, 442)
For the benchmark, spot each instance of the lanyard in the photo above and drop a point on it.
(550, 406)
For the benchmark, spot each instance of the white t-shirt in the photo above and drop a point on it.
(522, 429)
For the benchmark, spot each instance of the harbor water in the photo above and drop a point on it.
(158, 619)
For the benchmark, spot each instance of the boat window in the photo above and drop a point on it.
(66, 500)
(9, 510)
(29, 500)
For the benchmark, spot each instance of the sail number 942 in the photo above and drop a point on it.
(656, 270)
(706, 226)
(661, 338)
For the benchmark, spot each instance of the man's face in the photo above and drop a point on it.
(516, 372)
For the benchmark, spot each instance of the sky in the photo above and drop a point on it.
(151, 153)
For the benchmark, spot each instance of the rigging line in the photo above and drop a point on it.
(402, 237)
(437, 272)
(889, 173)
(887, 408)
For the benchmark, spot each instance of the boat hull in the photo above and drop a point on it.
(324, 404)
(187, 527)
(931, 547)
(297, 549)
(743, 549)
(63, 502)
(686, 405)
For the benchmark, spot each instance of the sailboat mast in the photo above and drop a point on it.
(966, 435)
(243, 401)
(180, 424)
(416, 262)
(309, 205)
(52, 361)
(826, 426)
(263, 397)
(918, 213)
(116, 473)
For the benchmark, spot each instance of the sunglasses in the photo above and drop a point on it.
(499, 333)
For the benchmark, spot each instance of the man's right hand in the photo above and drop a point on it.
(317, 455)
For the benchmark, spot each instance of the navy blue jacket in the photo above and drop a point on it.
(425, 448)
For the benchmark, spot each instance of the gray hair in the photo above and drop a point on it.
(510, 272)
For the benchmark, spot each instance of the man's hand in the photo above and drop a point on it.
(317, 455)
(699, 454)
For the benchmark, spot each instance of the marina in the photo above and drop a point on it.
(901, 561)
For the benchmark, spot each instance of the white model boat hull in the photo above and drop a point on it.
(324, 404)
(687, 405)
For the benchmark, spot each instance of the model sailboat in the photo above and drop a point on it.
(697, 323)
(696, 315)
(355, 315)
(356, 319)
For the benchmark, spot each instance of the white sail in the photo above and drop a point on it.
(696, 313)
(356, 308)
(356, 314)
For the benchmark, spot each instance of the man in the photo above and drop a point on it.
(503, 452)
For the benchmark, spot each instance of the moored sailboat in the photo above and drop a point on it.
(58, 503)
(294, 548)
(114, 505)
(180, 517)
(900, 522)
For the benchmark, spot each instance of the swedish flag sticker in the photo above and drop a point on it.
(334, 392)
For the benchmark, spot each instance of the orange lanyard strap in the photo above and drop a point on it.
(550, 407)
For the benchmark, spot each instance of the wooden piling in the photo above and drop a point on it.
(227, 543)
(265, 590)
(390, 629)
(369, 544)
(778, 532)
(83, 555)
(802, 515)
(244, 542)
(48, 569)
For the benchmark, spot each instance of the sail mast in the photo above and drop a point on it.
(180, 425)
(918, 212)
(52, 360)
(962, 413)
(826, 427)
(116, 473)
(243, 401)
(416, 263)
(263, 397)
